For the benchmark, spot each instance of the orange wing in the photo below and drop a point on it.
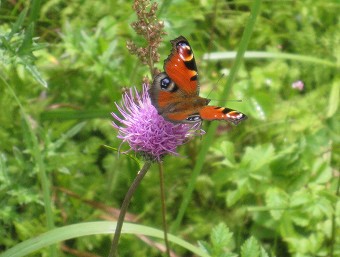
(221, 113)
(175, 92)
(181, 66)
(172, 103)
(164, 93)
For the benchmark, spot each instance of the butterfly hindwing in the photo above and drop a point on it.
(221, 113)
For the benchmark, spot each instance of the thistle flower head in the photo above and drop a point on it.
(145, 130)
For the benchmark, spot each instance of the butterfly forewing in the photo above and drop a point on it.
(181, 66)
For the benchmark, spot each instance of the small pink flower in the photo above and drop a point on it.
(298, 85)
(146, 131)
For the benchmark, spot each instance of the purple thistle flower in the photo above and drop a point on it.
(148, 132)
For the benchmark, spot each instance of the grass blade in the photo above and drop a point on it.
(92, 228)
(213, 126)
(268, 55)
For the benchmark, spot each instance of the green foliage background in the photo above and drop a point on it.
(275, 177)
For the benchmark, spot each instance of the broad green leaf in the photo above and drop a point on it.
(286, 227)
(255, 158)
(204, 246)
(333, 98)
(233, 196)
(300, 218)
(260, 104)
(277, 200)
(263, 252)
(227, 150)
(321, 171)
(221, 236)
(250, 248)
(300, 198)
(307, 245)
(320, 208)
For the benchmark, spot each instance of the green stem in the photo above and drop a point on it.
(125, 205)
(165, 227)
(255, 10)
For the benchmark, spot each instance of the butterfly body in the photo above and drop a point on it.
(175, 92)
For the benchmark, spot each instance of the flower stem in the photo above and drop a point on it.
(165, 228)
(125, 205)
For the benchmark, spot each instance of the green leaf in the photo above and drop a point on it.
(250, 248)
(277, 199)
(69, 134)
(32, 69)
(132, 157)
(269, 55)
(259, 105)
(263, 252)
(286, 227)
(4, 179)
(300, 198)
(255, 158)
(91, 228)
(255, 10)
(333, 98)
(226, 150)
(35, 10)
(221, 236)
(26, 45)
(204, 246)
(321, 171)
(18, 24)
(233, 196)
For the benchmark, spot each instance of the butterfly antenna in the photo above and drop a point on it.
(214, 87)
(215, 84)
(235, 100)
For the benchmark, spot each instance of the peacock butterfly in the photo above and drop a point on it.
(175, 92)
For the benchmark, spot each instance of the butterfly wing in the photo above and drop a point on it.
(181, 66)
(175, 92)
(172, 103)
(164, 93)
(221, 113)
